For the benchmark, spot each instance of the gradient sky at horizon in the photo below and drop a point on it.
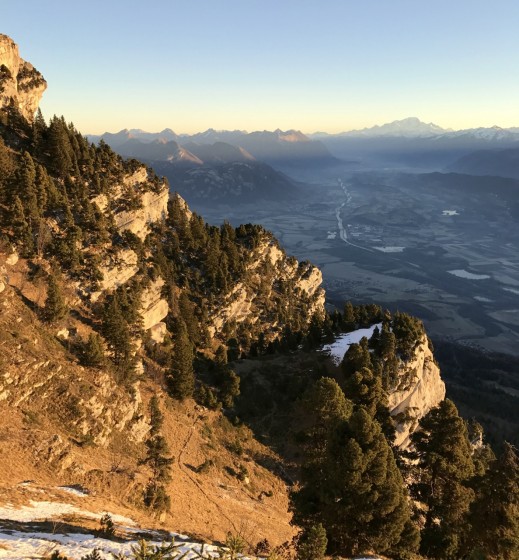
(331, 65)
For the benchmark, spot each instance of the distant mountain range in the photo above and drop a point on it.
(278, 148)
(406, 128)
(412, 144)
(412, 127)
(223, 166)
(407, 143)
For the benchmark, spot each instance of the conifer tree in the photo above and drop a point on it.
(21, 230)
(181, 377)
(158, 460)
(444, 468)
(324, 407)
(26, 183)
(348, 319)
(116, 331)
(387, 342)
(55, 305)
(230, 387)
(495, 514)
(356, 358)
(364, 388)
(312, 543)
(365, 507)
(93, 351)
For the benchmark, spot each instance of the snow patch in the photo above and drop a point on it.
(39, 511)
(331, 235)
(450, 213)
(20, 545)
(511, 290)
(460, 273)
(76, 490)
(483, 299)
(390, 249)
(338, 349)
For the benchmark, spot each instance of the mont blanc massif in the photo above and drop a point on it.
(256, 345)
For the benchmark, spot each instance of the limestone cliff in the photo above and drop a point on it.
(154, 308)
(135, 203)
(273, 284)
(20, 82)
(419, 388)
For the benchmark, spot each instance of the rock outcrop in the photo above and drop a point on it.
(118, 268)
(420, 388)
(20, 83)
(270, 276)
(154, 308)
(149, 204)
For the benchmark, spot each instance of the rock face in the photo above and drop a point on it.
(254, 299)
(20, 82)
(149, 205)
(154, 307)
(420, 388)
(118, 269)
(154, 208)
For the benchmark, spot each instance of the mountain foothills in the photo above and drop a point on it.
(180, 376)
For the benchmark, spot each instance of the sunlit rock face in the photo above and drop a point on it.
(151, 205)
(20, 83)
(154, 308)
(420, 388)
(252, 300)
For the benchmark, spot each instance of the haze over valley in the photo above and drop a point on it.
(272, 311)
(439, 244)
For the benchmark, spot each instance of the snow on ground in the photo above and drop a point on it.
(512, 290)
(39, 511)
(460, 273)
(331, 235)
(390, 249)
(338, 348)
(16, 544)
(483, 299)
(450, 213)
(76, 490)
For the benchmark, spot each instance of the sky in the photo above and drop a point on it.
(327, 65)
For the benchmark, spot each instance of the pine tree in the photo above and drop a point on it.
(387, 342)
(324, 408)
(230, 388)
(495, 514)
(55, 305)
(312, 543)
(348, 319)
(356, 358)
(158, 460)
(364, 388)
(93, 351)
(350, 481)
(181, 377)
(156, 416)
(365, 506)
(444, 468)
(116, 331)
(21, 230)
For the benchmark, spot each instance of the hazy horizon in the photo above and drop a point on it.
(264, 65)
(305, 132)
